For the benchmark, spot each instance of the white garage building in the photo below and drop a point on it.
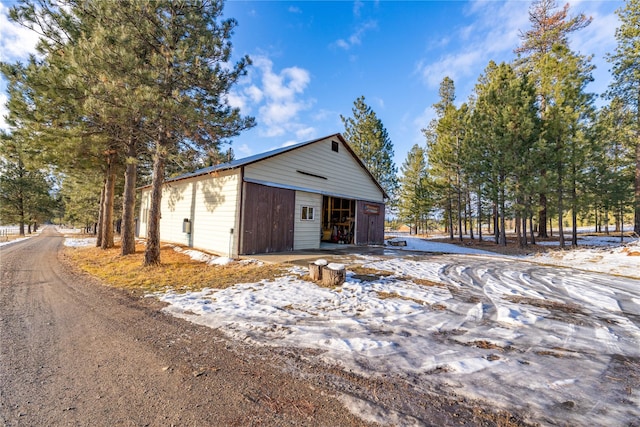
(287, 199)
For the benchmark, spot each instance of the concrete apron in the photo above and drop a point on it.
(343, 254)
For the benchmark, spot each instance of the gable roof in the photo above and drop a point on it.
(234, 164)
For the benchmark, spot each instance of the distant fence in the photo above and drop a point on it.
(8, 230)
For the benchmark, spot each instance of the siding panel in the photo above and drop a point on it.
(307, 232)
(335, 173)
(209, 202)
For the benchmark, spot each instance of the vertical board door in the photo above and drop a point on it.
(268, 219)
(369, 223)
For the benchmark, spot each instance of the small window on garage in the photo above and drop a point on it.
(334, 146)
(307, 213)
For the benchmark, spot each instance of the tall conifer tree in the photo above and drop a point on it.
(369, 139)
(626, 84)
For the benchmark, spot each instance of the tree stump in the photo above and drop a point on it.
(333, 275)
(315, 269)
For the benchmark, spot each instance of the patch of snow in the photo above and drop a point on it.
(415, 243)
(14, 241)
(80, 242)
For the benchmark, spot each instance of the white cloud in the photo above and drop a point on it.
(357, 5)
(279, 96)
(16, 41)
(294, 9)
(254, 93)
(355, 38)
(455, 66)
(305, 133)
(493, 34)
(3, 111)
(243, 150)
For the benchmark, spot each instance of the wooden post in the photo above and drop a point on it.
(333, 274)
(315, 269)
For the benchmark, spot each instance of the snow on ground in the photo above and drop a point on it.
(557, 343)
(79, 242)
(623, 259)
(415, 243)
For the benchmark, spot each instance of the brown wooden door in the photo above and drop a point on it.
(369, 223)
(268, 222)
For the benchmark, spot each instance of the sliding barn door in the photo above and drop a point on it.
(268, 219)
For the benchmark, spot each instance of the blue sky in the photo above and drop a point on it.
(312, 59)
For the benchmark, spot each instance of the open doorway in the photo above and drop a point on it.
(338, 220)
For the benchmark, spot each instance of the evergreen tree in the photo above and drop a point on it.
(626, 81)
(501, 150)
(445, 146)
(549, 28)
(564, 123)
(369, 139)
(414, 199)
(25, 197)
(610, 166)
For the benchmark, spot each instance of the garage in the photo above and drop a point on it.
(291, 198)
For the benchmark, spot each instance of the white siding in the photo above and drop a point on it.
(344, 176)
(211, 204)
(306, 234)
(216, 212)
(143, 219)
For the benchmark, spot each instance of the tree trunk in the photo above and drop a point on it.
(333, 275)
(636, 214)
(542, 216)
(496, 223)
(470, 214)
(128, 239)
(152, 250)
(560, 171)
(450, 209)
(531, 229)
(574, 212)
(109, 196)
(99, 229)
(519, 231)
(459, 213)
(503, 231)
(479, 216)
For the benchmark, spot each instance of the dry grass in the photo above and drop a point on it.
(177, 271)
(387, 295)
(547, 304)
(366, 274)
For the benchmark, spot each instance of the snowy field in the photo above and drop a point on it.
(558, 343)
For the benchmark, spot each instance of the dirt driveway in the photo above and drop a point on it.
(75, 352)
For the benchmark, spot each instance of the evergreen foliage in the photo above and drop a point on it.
(626, 87)
(369, 139)
(415, 198)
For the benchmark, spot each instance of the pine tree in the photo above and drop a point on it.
(549, 28)
(446, 136)
(369, 139)
(501, 149)
(626, 83)
(25, 197)
(415, 202)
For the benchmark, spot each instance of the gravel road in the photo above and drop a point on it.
(75, 352)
